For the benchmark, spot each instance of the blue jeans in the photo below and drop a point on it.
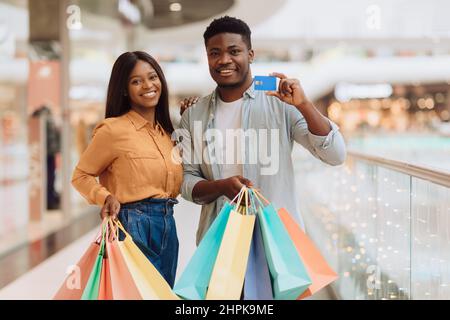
(151, 224)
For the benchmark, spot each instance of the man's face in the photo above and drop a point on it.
(229, 59)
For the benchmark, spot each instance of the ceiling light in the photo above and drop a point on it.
(175, 7)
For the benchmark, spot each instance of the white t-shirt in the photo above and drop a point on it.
(228, 122)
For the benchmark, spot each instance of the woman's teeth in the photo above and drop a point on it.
(149, 94)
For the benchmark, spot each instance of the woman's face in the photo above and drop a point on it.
(144, 86)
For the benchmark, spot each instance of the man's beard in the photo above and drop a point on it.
(234, 85)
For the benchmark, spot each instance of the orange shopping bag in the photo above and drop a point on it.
(122, 283)
(317, 267)
(105, 288)
(75, 282)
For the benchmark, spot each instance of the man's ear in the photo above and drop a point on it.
(251, 55)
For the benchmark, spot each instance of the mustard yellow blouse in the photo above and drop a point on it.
(133, 161)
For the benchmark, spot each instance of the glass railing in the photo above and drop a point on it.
(383, 225)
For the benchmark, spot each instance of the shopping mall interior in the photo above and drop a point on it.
(379, 69)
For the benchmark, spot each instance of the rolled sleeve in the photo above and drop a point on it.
(89, 188)
(324, 142)
(101, 196)
(188, 185)
(329, 149)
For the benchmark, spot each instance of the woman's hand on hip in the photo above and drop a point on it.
(111, 208)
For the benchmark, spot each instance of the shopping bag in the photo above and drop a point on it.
(227, 278)
(105, 286)
(149, 282)
(317, 267)
(91, 290)
(122, 283)
(194, 280)
(257, 285)
(289, 276)
(75, 283)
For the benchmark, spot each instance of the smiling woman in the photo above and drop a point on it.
(144, 88)
(131, 153)
(134, 74)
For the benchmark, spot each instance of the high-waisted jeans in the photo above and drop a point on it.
(151, 224)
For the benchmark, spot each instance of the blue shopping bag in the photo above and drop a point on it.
(194, 281)
(258, 284)
(289, 276)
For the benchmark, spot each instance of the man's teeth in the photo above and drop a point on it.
(226, 71)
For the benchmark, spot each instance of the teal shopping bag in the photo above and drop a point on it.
(289, 276)
(193, 282)
(92, 287)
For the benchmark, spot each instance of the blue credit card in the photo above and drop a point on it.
(265, 83)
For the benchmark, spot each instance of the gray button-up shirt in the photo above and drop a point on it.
(271, 127)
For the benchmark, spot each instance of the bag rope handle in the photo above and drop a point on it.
(260, 196)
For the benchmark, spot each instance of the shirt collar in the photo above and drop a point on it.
(250, 92)
(139, 121)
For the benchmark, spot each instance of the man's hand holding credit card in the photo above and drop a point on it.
(289, 91)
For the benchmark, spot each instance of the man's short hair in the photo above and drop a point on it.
(228, 24)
